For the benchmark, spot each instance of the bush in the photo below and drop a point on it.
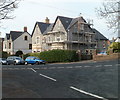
(4, 54)
(19, 53)
(115, 46)
(59, 56)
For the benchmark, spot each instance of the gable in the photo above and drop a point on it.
(63, 22)
(40, 28)
(58, 26)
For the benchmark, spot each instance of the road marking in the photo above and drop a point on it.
(48, 77)
(69, 67)
(87, 93)
(33, 70)
(87, 66)
(36, 68)
(107, 65)
(98, 66)
(60, 67)
(78, 66)
(117, 64)
(23, 68)
(52, 67)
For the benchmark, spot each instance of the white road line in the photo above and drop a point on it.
(87, 93)
(48, 77)
(33, 70)
(36, 68)
(52, 67)
(23, 68)
(69, 67)
(60, 67)
(107, 65)
(98, 66)
(78, 66)
(117, 64)
(87, 66)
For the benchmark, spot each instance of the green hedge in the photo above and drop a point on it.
(59, 56)
(55, 56)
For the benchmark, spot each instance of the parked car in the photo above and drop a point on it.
(15, 60)
(102, 53)
(3, 61)
(34, 60)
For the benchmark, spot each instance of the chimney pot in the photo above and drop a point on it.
(47, 20)
(25, 29)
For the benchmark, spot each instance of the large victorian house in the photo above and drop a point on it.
(67, 33)
(17, 40)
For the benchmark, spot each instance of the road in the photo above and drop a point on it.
(75, 80)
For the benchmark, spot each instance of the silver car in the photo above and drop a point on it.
(3, 61)
(15, 60)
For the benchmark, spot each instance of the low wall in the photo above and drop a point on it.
(106, 57)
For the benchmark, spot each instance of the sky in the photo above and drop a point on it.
(30, 11)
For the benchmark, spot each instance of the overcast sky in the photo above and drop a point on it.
(30, 11)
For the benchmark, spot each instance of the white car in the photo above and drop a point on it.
(3, 61)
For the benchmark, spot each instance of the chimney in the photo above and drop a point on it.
(25, 29)
(47, 20)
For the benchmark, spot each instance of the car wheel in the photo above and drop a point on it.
(37, 63)
(15, 63)
(26, 63)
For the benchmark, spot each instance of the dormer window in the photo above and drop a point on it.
(25, 38)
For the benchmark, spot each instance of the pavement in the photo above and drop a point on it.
(81, 80)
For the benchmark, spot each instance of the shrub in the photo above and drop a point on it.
(115, 46)
(4, 54)
(19, 53)
(59, 56)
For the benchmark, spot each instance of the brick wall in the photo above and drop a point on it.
(106, 57)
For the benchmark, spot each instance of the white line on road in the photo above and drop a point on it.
(48, 77)
(98, 66)
(78, 66)
(107, 65)
(87, 93)
(69, 67)
(52, 67)
(60, 67)
(87, 66)
(33, 70)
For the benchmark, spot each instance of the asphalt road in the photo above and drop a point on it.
(75, 80)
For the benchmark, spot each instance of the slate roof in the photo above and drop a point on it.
(74, 20)
(49, 28)
(64, 20)
(98, 35)
(42, 26)
(15, 34)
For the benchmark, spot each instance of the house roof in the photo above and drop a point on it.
(98, 35)
(15, 34)
(42, 26)
(74, 20)
(64, 20)
(48, 28)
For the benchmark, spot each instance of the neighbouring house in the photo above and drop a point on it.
(1, 44)
(17, 40)
(37, 35)
(66, 33)
(102, 42)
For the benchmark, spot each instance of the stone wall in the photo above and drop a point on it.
(111, 56)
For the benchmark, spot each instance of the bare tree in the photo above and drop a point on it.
(110, 11)
(6, 7)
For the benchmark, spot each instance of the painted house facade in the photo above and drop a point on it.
(66, 33)
(17, 40)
